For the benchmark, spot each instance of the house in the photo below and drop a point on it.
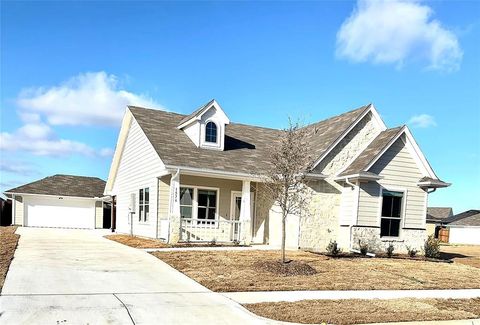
(464, 228)
(198, 177)
(435, 218)
(64, 201)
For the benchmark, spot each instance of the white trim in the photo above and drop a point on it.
(199, 115)
(62, 196)
(195, 199)
(413, 149)
(376, 118)
(214, 173)
(232, 203)
(358, 176)
(403, 211)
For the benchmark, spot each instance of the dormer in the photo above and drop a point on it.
(206, 126)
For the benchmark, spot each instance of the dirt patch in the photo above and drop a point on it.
(8, 244)
(464, 254)
(290, 268)
(230, 271)
(137, 242)
(357, 311)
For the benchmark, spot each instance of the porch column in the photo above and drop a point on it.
(245, 213)
(174, 209)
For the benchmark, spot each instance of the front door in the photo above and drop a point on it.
(235, 215)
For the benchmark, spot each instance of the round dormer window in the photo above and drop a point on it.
(211, 132)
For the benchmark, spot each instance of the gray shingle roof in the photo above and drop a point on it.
(467, 218)
(246, 147)
(372, 150)
(64, 185)
(438, 214)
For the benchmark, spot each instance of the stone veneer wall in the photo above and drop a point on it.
(413, 238)
(322, 225)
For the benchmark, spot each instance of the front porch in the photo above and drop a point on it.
(209, 209)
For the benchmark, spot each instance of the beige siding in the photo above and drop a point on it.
(139, 167)
(347, 206)
(163, 196)
(400, 172)
(368, 206)
(98, 214)
(225, 187)
(18, 210)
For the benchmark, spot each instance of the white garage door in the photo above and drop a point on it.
(63, 213)
(464, 235)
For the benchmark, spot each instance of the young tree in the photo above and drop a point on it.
(286, 184)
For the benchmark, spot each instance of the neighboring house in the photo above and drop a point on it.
(436, 218)
(199, 178)
(464, 228)
(63, 201)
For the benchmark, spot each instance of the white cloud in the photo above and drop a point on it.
(106, 152)
(422, 121)
(93, 98)
(396, 31)
(39, 139)
(17, 167)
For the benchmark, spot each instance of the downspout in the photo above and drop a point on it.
(350, 245)
(170, 208)
(14, 206)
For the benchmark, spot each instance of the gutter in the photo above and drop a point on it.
(213, 172)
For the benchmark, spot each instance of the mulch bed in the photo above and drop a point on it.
(290, 268)
(8, 244)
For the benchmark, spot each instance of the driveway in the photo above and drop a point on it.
(61, 276)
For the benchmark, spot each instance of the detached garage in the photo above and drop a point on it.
(60, 201)
(464, 228)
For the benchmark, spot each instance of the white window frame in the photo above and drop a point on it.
(195, 203)
(217, 137)
(402, 211)
(141, 214)
(203, 135)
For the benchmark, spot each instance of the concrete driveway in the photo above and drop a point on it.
(61, 276)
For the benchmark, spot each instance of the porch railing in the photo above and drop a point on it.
(205, 230)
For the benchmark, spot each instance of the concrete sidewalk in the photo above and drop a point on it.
(78, 277)
(276, 296)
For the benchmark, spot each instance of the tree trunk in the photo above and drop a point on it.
(283, 238)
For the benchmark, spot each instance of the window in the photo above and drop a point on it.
(207, 204)
(391, 214)
(196, 203)
(186, 202)
(211, 132)
(143, 208)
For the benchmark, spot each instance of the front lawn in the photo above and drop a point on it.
(137, 242)
(230, 271)
(356, 311)
(8, 244)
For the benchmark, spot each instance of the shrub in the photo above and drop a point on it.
(213, 242)
(236, 242)
(432, 247)
(333, 248)
(411, 251)
(390, 250)
(363, 247)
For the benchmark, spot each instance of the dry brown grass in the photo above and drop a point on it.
(137, 242)
(468, 254)
(356, 311)
(8, 244)
(230, 271)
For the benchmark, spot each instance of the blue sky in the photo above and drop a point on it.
(69, 68)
